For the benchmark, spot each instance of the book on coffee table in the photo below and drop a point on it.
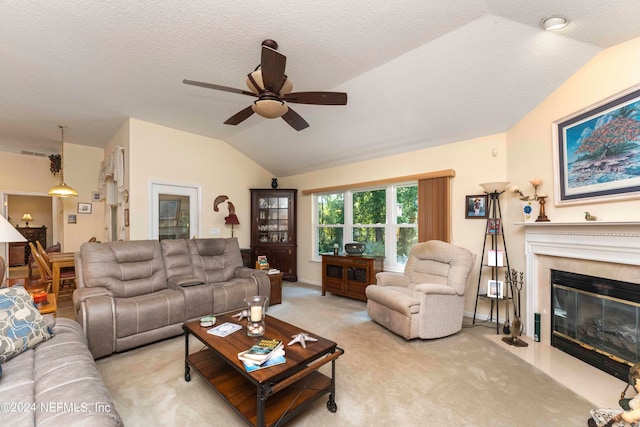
(262, 351)
(224, 329)
(277, 359)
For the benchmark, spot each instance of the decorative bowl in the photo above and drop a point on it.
(354, 248)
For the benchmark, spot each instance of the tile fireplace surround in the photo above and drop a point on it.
(595, 248)
(598, 248)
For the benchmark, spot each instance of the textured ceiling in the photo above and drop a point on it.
(418, 73)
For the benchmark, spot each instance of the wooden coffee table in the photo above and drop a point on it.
(268, 396)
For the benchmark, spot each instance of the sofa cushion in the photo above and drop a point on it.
(21, 325)
(215, 260)
(127, 269)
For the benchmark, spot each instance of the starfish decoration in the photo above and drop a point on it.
(301, 338)
(242, 315)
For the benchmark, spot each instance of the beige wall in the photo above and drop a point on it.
(40, 209)
(82, 165)
(30, 175)
(172, 156)
(524, 152)
(530, 145)
(472, 161)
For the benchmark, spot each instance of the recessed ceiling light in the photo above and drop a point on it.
(554, 22)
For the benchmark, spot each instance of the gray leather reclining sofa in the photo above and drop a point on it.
(56, 383)
(136, 292)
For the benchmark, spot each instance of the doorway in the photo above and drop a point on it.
(174, 211)
(43, 225)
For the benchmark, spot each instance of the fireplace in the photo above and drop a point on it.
(609, 250)
(596, 320)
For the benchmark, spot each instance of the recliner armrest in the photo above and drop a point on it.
(434, 288)
(388, 278)
(82, 294)
(259, 276)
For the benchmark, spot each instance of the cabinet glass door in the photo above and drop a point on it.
(273, 219)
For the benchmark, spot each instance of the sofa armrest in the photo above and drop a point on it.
(388, 278)
(433, 288)
(95, 311)
(82, 294)
(259, 276)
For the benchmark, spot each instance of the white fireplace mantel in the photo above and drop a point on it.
(608, 242)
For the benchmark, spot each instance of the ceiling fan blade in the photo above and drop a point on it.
(295, 120)
(218, 87)
(317, 98)
(273, 64)
(240, 116)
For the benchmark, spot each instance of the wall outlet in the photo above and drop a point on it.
(214, 231)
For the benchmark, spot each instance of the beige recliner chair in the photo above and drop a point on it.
(427, 301)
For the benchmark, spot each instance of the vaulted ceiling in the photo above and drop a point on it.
(417, 73)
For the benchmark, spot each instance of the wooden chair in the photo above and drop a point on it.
(45, 271)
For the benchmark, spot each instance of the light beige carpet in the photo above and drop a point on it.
(382, 380)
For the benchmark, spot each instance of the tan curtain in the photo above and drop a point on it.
(434, 216)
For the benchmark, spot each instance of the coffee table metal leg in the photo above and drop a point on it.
(331, 404)
(187, 369)
(262, 398)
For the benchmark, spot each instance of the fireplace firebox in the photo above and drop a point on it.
(596, 320)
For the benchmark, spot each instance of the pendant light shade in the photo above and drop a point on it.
(62, 189)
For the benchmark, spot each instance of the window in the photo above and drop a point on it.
(384, 218)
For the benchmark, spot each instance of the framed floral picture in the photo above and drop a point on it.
(476, 206)
(597, 151)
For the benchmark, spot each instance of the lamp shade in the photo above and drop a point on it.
(8, 233)
(62, 190)
(27, 217)
(494, 187)
(231, 219)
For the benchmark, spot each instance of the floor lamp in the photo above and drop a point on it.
(8, 233)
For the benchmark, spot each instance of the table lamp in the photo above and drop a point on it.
(27, 217)
(233, 220)
(7, 234)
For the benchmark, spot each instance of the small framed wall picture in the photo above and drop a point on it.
(493, 226)
(126, 217)
(475, 206)
(95, 196)
(84, 208)
(495, 289)
(71, 219)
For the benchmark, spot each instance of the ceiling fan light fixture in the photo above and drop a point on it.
(287, 86)
(554, 22)
(269, 108)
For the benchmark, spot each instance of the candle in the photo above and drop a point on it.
(256, 314)
(542, 194)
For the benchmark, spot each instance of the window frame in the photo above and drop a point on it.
(390, 226)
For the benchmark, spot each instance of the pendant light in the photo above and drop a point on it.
(62, 189)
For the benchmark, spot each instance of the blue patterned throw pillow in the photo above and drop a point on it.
(21, 325)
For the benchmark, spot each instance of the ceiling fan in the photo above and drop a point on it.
(272, 87)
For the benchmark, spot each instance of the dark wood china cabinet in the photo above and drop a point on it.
(273, 229)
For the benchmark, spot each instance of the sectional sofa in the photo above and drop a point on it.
(47, 375)
(132, 293)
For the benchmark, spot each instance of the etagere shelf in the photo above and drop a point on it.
(493, 266)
